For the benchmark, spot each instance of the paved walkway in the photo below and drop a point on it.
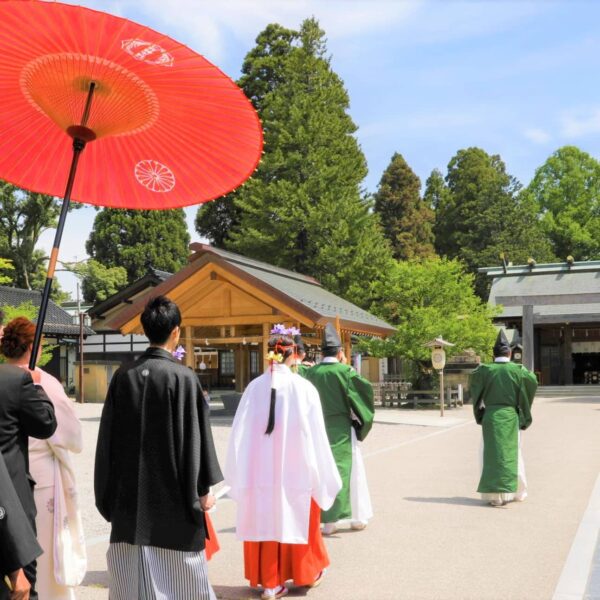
(431, 538)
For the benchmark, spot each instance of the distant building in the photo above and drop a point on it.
(74, 309)
(229, 304)
(108, 344)
(59, 329)
(564, 304)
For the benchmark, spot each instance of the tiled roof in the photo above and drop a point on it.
(58, 321)
(151, 278)
(544, 283)
(302, 288)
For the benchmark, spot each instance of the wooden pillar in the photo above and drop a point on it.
(528, 352)
(239, 369)
(190, 359)
(568, 355)
(266, 328)
(347, 339)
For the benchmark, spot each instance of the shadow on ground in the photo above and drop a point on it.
(227, 530)
(226, 592)
(464, 501)
(577, 400)
(98, 579)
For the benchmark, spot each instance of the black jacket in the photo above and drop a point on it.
(155, 455)
(25, 411)
(18, 544)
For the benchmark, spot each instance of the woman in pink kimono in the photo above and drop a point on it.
(58, 521)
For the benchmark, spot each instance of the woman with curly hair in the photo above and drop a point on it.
(282, 473)
(58, 521)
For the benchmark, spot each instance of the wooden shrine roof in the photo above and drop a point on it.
(285, 292)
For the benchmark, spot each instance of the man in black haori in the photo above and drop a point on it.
(155, 463)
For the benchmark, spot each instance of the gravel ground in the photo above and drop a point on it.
(431, 538)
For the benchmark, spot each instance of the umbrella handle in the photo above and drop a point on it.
(81, 135)
(53, 258)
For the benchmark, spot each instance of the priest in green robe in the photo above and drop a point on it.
(347, 401)
(502, 394)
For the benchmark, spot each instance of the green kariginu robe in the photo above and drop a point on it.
(343, 392)
(502, 394)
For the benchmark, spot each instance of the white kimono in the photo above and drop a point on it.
(274, 477)
(58, 520)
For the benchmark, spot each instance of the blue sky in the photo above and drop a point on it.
(425, 78)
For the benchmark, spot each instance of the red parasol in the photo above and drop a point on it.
(161, 126)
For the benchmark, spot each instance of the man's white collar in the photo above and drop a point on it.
(502, 359)
(330, 359)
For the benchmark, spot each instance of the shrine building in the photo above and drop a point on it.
(556, 310)
(229, 304)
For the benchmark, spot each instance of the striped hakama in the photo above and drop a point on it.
(151, 573)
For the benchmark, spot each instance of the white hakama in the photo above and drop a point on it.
(150, 573)
(362, 509)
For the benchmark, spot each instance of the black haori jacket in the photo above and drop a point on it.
(25, 411)
(18, 543)
(155, 455)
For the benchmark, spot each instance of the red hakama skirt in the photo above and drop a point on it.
(212, 542)
(271, 564)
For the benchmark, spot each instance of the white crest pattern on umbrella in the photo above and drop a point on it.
(147, 52)
(155, 176)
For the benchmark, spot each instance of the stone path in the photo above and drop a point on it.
(431, 538)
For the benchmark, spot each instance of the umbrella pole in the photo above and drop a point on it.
(81, 135)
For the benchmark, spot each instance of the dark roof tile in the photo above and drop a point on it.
(58, 321)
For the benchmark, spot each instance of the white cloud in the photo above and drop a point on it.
(206, 24)
(537, 135)
(581, 123)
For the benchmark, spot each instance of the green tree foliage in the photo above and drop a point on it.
(566, 189)
(29, 311)
(481, 214)
(406, 219)
(138, 239)
(216, 220)
(264, 69)
(6, 271)
(303, 209)
(99, 282)
(24, 216)
(428, 298)
(435, 188)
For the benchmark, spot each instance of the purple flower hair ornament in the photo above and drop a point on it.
(179, 352)
(279, 329)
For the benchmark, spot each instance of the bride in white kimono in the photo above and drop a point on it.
(58, 521)
(60, 531)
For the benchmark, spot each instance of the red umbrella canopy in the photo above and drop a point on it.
(171, 129)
